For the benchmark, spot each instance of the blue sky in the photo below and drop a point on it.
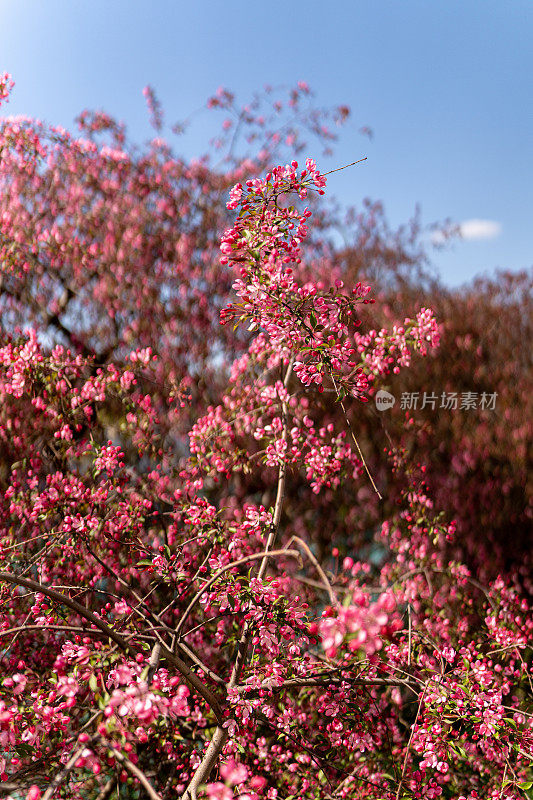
(445, 86)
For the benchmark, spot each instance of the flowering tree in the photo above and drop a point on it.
(168, 625)
(443, 416)
(472, 471)
(107, 248)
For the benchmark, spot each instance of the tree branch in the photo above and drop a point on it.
(138, 773)
(124, 645)
(220, 736)
(322, 574)
(60, 777)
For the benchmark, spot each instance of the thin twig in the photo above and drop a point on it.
(105, 793)
(153, 663)
(404, 766)
(311, 556)
(189, 650)
(328, 680)
(339, 169)
(349, 424)
(60, 777)
(280, 496)
(138, 773)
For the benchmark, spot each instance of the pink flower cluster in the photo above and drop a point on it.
(383, 352)
(154, 107)
(17, 363)
(281, 179)
(318, 327)
(138, 703)
(236, 777)
(109, 459)
(6, 85)
(359, 625)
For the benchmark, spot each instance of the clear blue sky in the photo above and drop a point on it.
(446, 86)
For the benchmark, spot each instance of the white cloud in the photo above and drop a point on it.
(480, 229)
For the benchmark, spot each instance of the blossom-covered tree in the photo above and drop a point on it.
(107, 248)
(172, 621)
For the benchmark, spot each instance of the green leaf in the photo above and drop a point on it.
(525, 785)
(24, 749)
(232, 602)
(321, 777)
(93, 682)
